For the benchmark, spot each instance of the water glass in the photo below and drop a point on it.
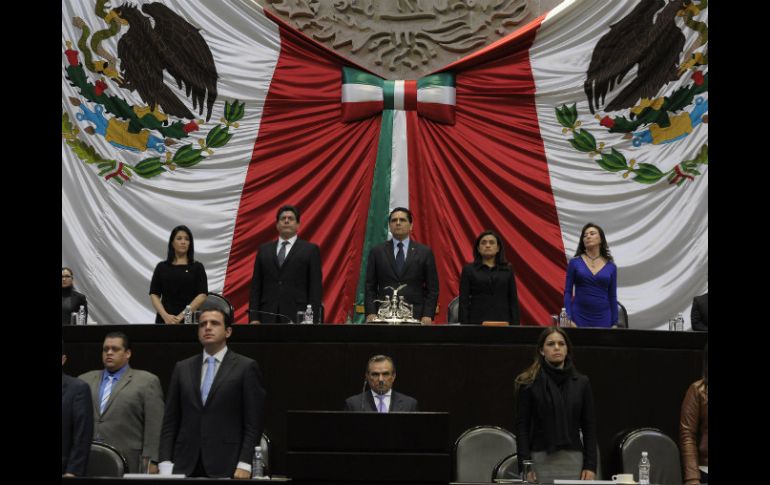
(528, 472)
(300, 316)
(74, 318)
(145, 464)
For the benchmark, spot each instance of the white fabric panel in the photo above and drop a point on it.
(398, 95)
(399, 168)
(113, 236)
(437, 94)
(357, 93)
(657, 233)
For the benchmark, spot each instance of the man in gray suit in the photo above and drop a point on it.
(127, 402)
(380, 375)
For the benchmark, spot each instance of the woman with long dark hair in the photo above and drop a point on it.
(554, 405)
(488, 284)
(71, 300)
(590, 292)
(179, 280)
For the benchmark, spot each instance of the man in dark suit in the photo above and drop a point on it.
(699, 315)
(400, 261)
(287, 274)
(128, 404)
(77, 423)
(380, 375)
(214, 407)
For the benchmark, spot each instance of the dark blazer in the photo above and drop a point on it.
(531, 416)
(364, 402)
(488, 294)
(419, 273)
(133, 414)
(75, 301)
(699, 315)
(225, 430)
(77, 425)
(288, 289)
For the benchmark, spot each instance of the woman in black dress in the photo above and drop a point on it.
(555, 405)
(488, 284)
(71, 300)
(179, 280)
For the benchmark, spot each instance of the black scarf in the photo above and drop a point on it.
(551, 388)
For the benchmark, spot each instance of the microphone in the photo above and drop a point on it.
(273, 314)
(363, 394)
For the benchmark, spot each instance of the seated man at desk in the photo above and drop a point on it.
(380, 375)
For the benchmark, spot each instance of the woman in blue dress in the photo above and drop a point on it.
(590, 294)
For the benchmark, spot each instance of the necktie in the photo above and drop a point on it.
(400, 257)
(211, 361)
(106, 394)
(282, 253)
(381, 405)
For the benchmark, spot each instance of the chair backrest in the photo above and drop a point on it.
(264, 442)
(105, 461)
(478, 450)
(622, 316)
(508, 468)
(665, 466)
(453, 311)
(219, 301)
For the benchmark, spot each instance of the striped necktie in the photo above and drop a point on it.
(381, 405)
(106, 394)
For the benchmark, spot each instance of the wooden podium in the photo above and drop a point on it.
(384, 447)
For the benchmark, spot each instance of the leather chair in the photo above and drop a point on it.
(453, 311)
(622, 316)
(264, 442)
(478, 450)
(665, 465)
(507, 469)
(105, 461)
(219, 301)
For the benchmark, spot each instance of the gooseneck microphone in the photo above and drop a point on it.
(273, 314)
(363, 395)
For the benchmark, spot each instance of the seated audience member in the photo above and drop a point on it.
(699, 315)
(556, 404)
(694, 428)
(488, 284)
(380, 375)
(70, 299)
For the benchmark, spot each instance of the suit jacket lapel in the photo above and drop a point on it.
(390, 245)
(195, 373)
(224, 369)
(370, 401)
(410, 255)
(116, 388)
(395, 401)
(294, 248)
(274, 255)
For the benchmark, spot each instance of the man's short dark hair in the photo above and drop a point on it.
(120, 335)
(208, 307)
(380, 358)
(287, 208)
(401, 209)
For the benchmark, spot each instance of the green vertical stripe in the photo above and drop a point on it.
(389, 93)
(379, 203)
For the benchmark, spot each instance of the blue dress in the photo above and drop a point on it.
(595, 303)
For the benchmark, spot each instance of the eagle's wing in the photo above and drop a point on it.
(186, 56)
(618, 51)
